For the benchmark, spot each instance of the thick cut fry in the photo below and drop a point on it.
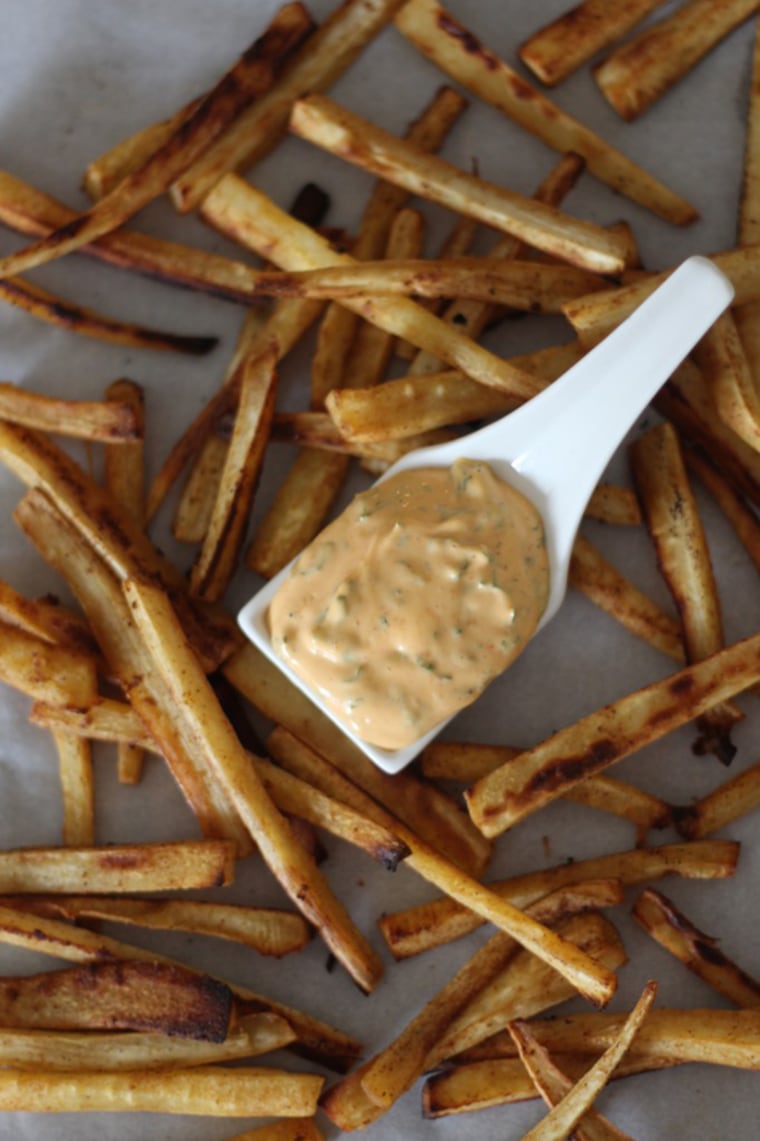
(119, 996)
(728, 802)
(221, 754)
(459, 53)
(66, 314)
(77, 789)
(252, 75)
(321, 121)
(558, 49)
(248, 216)
(541, 774)
(102, 599)
(72, 1050)
(645, 67)
(674, 524)
(266, 930)
(208, 1091)
(534, 287)
(697, 951)
(128, 868)
(721, 356)
(108, 421)
(600, 581)
(431, 924)
(58, 674)
(421, 806)
(563, 1118)
(739, 514)
(215, 565)
(319, 63)
(194, 510)
(45, 618)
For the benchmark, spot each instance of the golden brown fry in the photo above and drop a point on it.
(66, 314)
(248, 216)
(341, 132)
(318, 430)
(559, 48)
(57, 674)
(45, 618)
(119, 996)
(108, 421)
(77, 789)
(609, 589)
(215, 565)
(721, 356)
(674, 524)
(646, 66)
(128, 868)
(730, 801)
(441, 920)
(610, 503)
(748, 229)
(543, 773)
(563, 1118)
(208, 1091)
(251, 76)
(193, 514)
(220, 753)
(105, 719)
(697, 951)
(739, 514)
(454, 48)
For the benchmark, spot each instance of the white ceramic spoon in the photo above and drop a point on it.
(555, 448)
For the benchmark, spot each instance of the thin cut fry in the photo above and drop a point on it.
(108, 421)
(558, 49)
(645, 67)
(541, 774)
(251, 76)
(563, 1118)
(721, 356)
(674, 524)
(77, 789)
(329, 125)
(730, 801)
(458, 52)
(196, 504)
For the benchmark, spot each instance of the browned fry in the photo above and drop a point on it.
(565, 1115)
(220, 754)
(105, 719)
(558, 49)
(119, 996)
(329, 52)
(329, 125)
(109, 421)
(101, 598)
(574, 965)
(532, 286)
(208, 1091)
(266, 930)
(613, 504)
(251, 76)
(215, 565)
(553, 1085)
(248, 216)
(110, 531)
(75, 1050)
(721, 356)
(318, 430)
(441, 920)
(458, 52)
(609, 589)
(58, 674)
(420, 805)
(77, 789)
(748, 229)
(699, 952)
(193, 514)
(543, 773)
(736, 510)
(123, 868)
(674, 524)
(46, 619)
(730, 801)
(646, 66)
(302, 501)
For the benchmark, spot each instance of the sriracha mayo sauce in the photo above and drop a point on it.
(405, 607)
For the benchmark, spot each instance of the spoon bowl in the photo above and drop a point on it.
(555, 448)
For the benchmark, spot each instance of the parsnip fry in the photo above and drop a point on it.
(194, 510)
(108, 421)
(610, 503)
(77, 789)
(697, 951)
(57, 674)
(721, 356)
(563, 1118)
(458, 52)
(646, 66)
(431, 924)
(252, 75)
(676, 529)
(730, 801)
(341, 132)
(46, 619)
(558, 49)
(543, 773)
(735, 509)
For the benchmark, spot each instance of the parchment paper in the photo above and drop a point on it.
(74, 78)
